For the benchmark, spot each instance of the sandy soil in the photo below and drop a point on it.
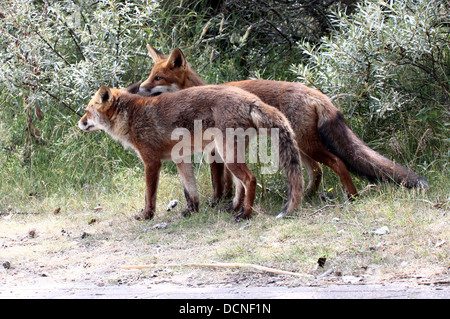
(48, 260)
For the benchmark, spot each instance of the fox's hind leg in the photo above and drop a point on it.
(238, 199)
(186, 172)
(228, 184)
(314, 174)
(322, 155)
(244, 176)
(222, 181)
(240, 172)
(217, 170)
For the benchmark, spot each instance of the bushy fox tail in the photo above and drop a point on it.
(268, 117)
(361, 159)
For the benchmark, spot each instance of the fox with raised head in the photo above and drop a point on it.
(321, 131)
(147, 124)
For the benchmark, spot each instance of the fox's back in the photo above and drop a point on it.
(301, 104)
(212, 104)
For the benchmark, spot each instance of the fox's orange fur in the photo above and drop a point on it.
(321, 131)
(146, 124)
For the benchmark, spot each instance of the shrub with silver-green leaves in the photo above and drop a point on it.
(388, 57)
(58, 52)
(53, 56)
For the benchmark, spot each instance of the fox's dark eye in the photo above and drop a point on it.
(157, 78)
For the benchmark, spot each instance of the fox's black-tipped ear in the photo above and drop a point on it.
(177, 59)
(155, 54)
(104, 94)
(104, 98)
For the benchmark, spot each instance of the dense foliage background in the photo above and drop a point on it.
(386, 64)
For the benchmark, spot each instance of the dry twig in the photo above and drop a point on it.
(221, 265)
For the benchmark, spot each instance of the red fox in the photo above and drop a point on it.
(321, 131)
(147, 125)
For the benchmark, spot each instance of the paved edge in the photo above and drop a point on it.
(171, 291)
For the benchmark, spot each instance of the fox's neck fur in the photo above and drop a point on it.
(119, 118)
(192, 79)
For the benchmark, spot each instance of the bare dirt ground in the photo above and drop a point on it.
(47, 260)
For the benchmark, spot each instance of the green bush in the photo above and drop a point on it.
(387, 64)
(54, 56)
(57, 54)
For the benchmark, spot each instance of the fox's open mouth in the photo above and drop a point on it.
(88, 128)
(146, 92)
(157, 90)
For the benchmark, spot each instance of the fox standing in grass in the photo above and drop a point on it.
(146, 124)
(321, 132)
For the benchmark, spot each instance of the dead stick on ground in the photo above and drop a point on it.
(221, 265)
(19, 213)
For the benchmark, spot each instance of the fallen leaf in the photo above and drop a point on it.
(160, 226)
(172, 205)
(381, 231)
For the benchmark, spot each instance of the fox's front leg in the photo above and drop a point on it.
(217, 170)
(152, 170)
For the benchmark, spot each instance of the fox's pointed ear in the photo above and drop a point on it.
(156, 55)
(104, 98)
(177, 59)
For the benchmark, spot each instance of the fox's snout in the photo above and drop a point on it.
(144, 92)
(85, 124)
(147, 89)
(82, 123)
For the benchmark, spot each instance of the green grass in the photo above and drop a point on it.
(339, 231)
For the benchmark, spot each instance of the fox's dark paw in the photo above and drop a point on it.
(186, 212)
(143, 216)
(241, 216)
